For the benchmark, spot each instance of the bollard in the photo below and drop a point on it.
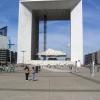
(92, 69)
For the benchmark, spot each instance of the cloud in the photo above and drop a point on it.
(91, 11)
(91, 26)
(58, 31)
(91, 40)
(58, 35)
(54, 41)
(94, 4)
(3, 21)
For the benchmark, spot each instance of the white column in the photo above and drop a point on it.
(24, 34)
(77, 33)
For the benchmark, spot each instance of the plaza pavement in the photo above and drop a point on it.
(50, 86)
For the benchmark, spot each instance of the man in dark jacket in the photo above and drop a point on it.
(26, 72)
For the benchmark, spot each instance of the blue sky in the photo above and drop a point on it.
(91, 17)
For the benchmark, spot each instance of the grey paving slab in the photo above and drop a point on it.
(50, 86)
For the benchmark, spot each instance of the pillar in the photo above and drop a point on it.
(24, 34)
(77, 33)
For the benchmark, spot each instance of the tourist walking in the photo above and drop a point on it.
(26, 72)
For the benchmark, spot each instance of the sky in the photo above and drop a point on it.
(58, 32)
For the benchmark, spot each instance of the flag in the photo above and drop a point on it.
(3, 31)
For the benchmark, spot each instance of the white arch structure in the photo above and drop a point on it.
(31, 11)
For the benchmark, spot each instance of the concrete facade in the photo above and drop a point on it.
(3, 42)
(32, 11)
(77, 33)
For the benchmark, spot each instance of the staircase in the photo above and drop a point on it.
(55, 66)
(59, 68)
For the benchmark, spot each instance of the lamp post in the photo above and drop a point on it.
(23, 55)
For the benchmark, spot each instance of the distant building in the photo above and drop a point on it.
(7, 56)
(3, 31)
(3, 38)
(4, 56)
(95, 56)
(13, 57)
(3, 42)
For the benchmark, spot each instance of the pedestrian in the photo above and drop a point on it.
(78, 66)
(26, 72)
(92, 68)
(33, 73)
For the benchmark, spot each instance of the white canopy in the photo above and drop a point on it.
(51, 53)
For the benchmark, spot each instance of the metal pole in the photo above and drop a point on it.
(92, 69)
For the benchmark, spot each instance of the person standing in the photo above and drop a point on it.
(92, 68)
(78, 65)
(33, 73)
(26, 72)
